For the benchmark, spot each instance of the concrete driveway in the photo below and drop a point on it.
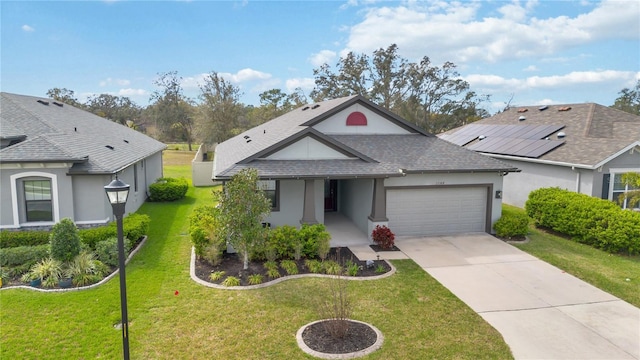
(541, 311)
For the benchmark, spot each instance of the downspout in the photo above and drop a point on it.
(577, 178)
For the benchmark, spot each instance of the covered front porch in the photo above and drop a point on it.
(343, 231)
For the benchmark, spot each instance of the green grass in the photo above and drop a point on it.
(418, 317)
(606, 271)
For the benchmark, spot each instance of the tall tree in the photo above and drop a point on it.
(629, 100)
(115, 108)
(351, 79)
(64, 95)
(243, 208)
(172, 110)
(388, 77)
(220, 109)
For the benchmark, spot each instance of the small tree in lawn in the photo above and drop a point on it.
(243, 207)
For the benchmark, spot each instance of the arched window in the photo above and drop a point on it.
(356, 118)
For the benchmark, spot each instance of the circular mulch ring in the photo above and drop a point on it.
(361, 339)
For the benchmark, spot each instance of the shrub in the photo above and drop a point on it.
(351, 268)
(255, 279)
(9, 239)
(23, 255)
(168, 189)
(289, 266)
(216, 275)
(380, 269)
(273, 273)
(91, 237)
(282, 241)
(231, 281)
(332, 267)
(383, 237)
(65, 241)
(512, 225)
(314, 266)
(107, 251)
(48, 270)
(85, 269)
(313, 237)
(596, 222)
(204, 228)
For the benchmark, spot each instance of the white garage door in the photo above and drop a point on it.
(437, 210)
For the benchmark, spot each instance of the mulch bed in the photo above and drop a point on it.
(378, 248)
(359, 336)
(232, 265)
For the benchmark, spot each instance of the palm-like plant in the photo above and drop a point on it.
(85, 269)
(48, 270)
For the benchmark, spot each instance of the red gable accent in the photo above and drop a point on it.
(356, 118)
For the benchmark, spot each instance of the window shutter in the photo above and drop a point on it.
(605, 186)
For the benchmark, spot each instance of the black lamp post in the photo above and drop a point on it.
(117, 192)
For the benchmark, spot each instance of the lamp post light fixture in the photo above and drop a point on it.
(117, 192)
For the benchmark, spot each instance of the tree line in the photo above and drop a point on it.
(433, 97)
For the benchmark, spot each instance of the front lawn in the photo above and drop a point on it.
(616, 274)
(172, 317)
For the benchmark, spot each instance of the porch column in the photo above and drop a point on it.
(379, 203)
(378, 207)
(309, 210)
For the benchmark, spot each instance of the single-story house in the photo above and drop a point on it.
(579, 147)
(352, 157)
(55, 160)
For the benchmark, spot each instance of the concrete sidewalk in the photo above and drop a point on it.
(541, 311)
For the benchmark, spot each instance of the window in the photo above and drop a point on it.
(37, 195)
(620, 188)
(135, 177)
(271, 190)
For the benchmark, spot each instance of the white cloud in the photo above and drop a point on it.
(454, 31)
(550, 82)
(324, 56)
(306, 84)
(193, 82)
(27, 28)
(111, 81)
(530, 68)
(245, 75)
(132, 92)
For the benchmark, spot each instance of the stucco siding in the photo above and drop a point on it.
(376, 124)
(90, 200)
(534, 176)
(354, 200)
(291, 202)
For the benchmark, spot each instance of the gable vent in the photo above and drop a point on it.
(43, 102)
(315, 106)
(543, 108)
(109, 147)
(58, 104)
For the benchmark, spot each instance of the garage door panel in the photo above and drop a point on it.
(432, 211)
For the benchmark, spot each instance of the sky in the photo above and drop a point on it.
(518, 52)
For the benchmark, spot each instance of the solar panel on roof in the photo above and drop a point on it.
(532, 148)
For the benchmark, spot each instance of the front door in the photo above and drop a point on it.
(330, 195)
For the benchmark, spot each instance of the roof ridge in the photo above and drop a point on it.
(54, 130)
(587, 128)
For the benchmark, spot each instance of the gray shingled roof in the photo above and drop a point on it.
(65, 133)
(594, 132)
(372, 155)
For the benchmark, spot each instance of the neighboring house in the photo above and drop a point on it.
(579, 147)
(352, 157)
(56, 159)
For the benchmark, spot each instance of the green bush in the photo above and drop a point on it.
(90, 237)
(65, 241)
(512, 225)
(596, 222)
(107, 251)
(313, 237)
(282, 240)
(204, 231)
(168, 189)
(9, 239)
(134, 226)
(23, 255)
